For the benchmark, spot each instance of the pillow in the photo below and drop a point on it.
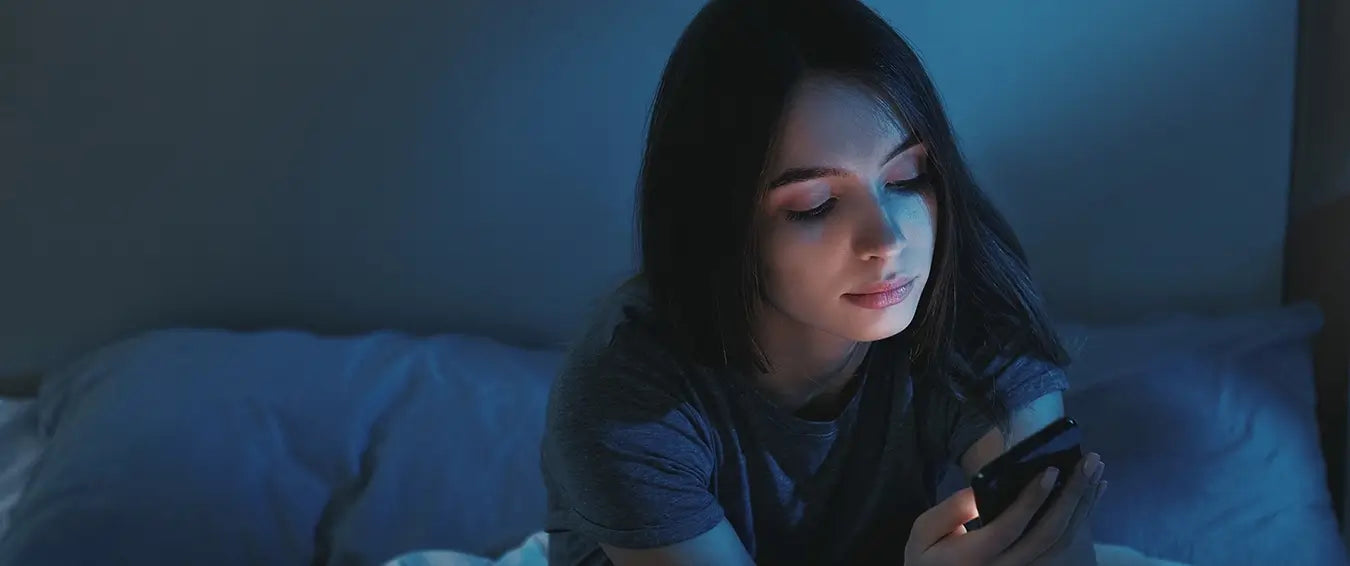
(18, 434)
(1208, 429)
(210, 447)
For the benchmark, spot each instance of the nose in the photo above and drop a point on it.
(879, 235)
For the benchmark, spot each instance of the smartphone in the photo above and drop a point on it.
(1000, 482)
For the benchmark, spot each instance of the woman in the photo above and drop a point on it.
(829, 312)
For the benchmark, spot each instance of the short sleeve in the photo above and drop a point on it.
(1021, 382)
(628, 462)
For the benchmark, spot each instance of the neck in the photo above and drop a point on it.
(806, 365)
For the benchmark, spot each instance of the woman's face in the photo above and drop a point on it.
(848, 221)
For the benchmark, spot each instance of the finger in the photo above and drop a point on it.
(1082, 516)
(1054, 523)
(943, 519)
(1002, 532)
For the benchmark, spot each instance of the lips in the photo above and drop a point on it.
(884, 286)
(883, 295)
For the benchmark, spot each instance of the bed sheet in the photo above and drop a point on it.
(534, 552)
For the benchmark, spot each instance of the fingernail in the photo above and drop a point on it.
(1090, 464)
(1049, 477)
(1097, 474)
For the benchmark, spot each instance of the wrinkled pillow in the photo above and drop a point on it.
(22, 446)
(210, 447)
(1207, 426)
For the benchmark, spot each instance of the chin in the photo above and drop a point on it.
(883, 324)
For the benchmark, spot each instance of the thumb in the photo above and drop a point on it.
(948, 516)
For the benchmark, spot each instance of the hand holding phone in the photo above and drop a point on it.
(1008, 506)
(999, 482)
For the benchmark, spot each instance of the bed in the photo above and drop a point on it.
(216, 447)
(259, 306)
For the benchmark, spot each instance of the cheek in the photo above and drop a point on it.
(916, 216)
(795, 260)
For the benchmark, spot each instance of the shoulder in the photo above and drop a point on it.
(621, 382)
(1024, 385)
(1024, 379)
(627, 454)
(1016, 380)
(622, 356)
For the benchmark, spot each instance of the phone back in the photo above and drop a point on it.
(1000, 482)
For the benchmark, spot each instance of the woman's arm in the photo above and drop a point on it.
(1024, 422)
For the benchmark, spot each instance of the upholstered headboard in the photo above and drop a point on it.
(1319, 270)
(1318, 245)
(469, 166)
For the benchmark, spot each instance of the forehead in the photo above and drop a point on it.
(834, 123)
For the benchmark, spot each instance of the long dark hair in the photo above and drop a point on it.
(713, 126)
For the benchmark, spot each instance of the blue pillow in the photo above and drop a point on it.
(1208, 429)
(209, 447)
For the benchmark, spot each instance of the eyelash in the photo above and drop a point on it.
(910, 184)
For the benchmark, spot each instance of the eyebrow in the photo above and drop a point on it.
(799, 174)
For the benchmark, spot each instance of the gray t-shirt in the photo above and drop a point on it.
(643, 450)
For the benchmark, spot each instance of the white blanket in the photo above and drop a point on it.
(534, 552)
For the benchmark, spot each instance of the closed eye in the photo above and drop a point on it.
(813, 213)
(918, 182)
